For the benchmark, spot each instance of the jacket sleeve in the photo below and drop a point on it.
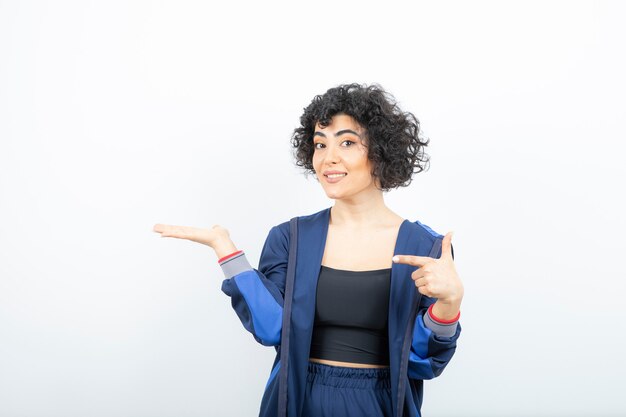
(257, 294)
(434, 342)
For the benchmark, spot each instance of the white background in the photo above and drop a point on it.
(115, 116)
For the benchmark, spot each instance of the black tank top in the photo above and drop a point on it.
(351, 315)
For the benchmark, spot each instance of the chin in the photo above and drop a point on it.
(332, 195)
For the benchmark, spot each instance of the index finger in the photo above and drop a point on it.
(411, 260)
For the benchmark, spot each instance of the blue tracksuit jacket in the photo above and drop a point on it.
(419, 348)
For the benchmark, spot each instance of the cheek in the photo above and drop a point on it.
(314, 161)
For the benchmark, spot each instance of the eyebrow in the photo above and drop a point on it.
(341, 132)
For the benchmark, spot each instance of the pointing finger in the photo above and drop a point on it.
(411, 260)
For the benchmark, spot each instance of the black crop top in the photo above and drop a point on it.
(351, 315)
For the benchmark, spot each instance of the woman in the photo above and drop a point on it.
(376, 298)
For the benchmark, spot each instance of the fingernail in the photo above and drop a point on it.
(395, 259)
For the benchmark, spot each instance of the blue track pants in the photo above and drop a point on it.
(337, 391)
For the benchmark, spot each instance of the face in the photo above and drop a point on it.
(341, 147)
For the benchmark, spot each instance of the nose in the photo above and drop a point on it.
(332, 155)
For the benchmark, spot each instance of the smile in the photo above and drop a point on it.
(333, 178)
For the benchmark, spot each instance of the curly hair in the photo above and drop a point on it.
(394, 140)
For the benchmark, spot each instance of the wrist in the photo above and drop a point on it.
(454, 298)
(444, 315)
(224, 247)
(451, 301)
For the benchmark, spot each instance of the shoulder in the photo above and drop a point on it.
(427, 234)
(280, 232)
(424, 233)
(318, 216)
(427, 230)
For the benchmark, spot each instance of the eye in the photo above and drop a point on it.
(350, 143)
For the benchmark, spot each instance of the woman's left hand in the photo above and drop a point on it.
(436, 278)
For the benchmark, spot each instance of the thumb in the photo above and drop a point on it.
(446, 245)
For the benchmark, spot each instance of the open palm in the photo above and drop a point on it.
(207, 237)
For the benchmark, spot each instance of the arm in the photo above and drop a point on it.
(257, 294)
(434, 342)
(435, 334)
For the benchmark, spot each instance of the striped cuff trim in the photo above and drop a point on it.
(442, 321)
(222, 259)
(442, 330)
(235, 264)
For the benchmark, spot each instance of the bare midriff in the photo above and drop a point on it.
(347, 364)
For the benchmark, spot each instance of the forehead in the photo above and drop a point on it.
(339, 122)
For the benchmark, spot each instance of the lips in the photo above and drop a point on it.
(327, 173)
(332, 180)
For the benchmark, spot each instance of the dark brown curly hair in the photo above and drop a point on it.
(393, 137)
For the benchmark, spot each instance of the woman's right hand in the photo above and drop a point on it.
(217, 237)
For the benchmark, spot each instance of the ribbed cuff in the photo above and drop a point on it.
(222, 259)
(234, 264)
(442, 321)
(444, 328)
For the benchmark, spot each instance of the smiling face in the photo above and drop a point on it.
(340, 147)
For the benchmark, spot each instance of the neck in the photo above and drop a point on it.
(362, 210)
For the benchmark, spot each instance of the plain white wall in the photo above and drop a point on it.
(115, 116)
